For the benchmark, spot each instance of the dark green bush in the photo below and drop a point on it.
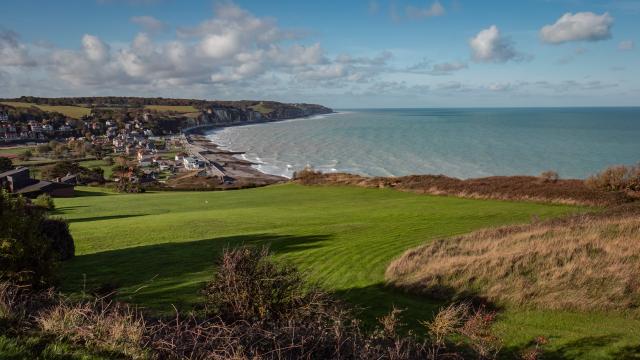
(30, 243)
(44, 201)
(56, 231)
(5, 164)
(26, 255)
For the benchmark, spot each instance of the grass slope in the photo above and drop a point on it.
(75, 112)
(14, 150)
(159, 247)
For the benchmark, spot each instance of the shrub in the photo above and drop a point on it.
(616, 178)
(44, 201)
(25, 155)
(5, 164)
(43, 149)
(56, 231)
(306, 174)
(26, 257)
(549, 176)
(248, 285)
(31, 243)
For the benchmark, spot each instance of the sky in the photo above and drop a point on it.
(343, 54)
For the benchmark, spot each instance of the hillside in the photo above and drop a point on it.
(214, 111)
(158, 248)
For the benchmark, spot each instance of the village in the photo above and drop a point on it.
(127, 155)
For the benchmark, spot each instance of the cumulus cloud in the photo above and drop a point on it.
(94, 48)
(12, 53)
(232, 49)
(582, 26)
(626, 45)
(149, 23)
(490, 46)
(435, 9)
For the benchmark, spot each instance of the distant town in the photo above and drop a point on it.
(131, 143)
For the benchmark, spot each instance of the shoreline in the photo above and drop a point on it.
(229, 159)
(236, 172)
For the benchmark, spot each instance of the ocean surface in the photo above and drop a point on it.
(463, 143)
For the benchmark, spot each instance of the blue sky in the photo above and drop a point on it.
(370, 53)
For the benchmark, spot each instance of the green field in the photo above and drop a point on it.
(174, 108)
(75, 112)
(98, 163)
(14, 150)
(159, 248)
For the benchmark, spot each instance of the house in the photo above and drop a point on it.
(19, 181)
(71, 179)
(145, 160)
(192, 163)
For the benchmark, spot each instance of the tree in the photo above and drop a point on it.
(26, 155)
(5, 164)
(43, 149)
(26, 257)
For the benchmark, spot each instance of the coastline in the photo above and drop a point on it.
(242, 172)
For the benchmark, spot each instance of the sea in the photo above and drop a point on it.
(462, 143)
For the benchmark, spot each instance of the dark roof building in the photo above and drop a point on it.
(19, 181)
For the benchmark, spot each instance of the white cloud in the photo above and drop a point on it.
(94, 48)
(626, 45)
(12, 53)
(220, 46)
(435, 9)
(490, 46)
(233, 49)
(149, 23)
(582, 26)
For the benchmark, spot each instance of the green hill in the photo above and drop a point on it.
(159, 248)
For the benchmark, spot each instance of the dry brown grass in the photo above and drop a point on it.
(586, 262)
(545, 188)
(97, 325)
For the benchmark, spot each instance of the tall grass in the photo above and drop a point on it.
(587, 262)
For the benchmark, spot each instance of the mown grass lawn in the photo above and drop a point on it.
(159, 248)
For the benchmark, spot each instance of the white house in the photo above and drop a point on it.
(192, 163)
